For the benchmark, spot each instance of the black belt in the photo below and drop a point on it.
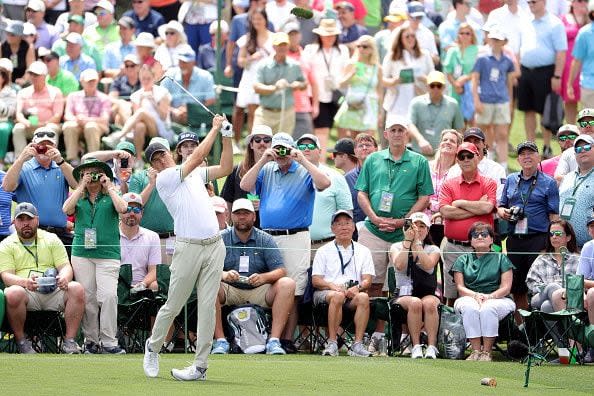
(54, 230)
(285, 232)
(537, 68)
(271, 109)
(461, 243)
(322, 240)
(527, 236)
(165, 235)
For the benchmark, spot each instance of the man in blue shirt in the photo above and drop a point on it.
(530, 200)
(115, 53)
(286, 182)
(351, 31)
(253, 274)
(42, 178)
(543, 44)
(199, 82)
(146, 19)
(583, 59)
(75, 61)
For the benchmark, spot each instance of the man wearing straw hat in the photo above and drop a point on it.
(277, 77)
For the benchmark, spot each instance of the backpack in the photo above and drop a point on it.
(248, 328)
(552, 115)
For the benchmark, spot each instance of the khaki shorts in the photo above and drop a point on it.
(235, 296)
(46, 302)
(494, 114)
(379, 253)
(296, 252)
(587, 97)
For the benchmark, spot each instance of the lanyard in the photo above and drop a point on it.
(343, 265)
(530, 189)
(577, 185)
(34, 255)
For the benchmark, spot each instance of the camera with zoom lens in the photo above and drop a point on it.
(516, 214)
(350, 283)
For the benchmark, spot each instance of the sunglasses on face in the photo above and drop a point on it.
(170, 33)
(133, 209)
(556, 233)
(584, 124)
(585, 147)
(563, 138)
(130, 66)
(465, 33)
(465, 156)
(435, 86)
(101, 12)
(308, 146)
(482, 234)
(48, 134)
(259, 139)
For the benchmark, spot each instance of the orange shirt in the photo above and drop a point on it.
(457, 188)
(162, 3)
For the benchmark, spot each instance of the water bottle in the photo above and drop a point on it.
(383, 346)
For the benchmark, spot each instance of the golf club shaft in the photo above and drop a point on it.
(188, 93)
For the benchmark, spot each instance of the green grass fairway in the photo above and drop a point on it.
(287, 375)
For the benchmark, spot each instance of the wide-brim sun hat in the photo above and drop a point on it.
(175, 26)
(327, 27)
(92, 163)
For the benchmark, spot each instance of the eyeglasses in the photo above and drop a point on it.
(465, 156)
(556, 233)
(482, 234)
(584, 124)
(170, 33)
(101, 12)
(259, 139)
(48, 134)
(585, 147)
(130, 66)
(435, 86)
(464, 33)
(362, 46)
(308, 146)
(133, 209)
(563, 138)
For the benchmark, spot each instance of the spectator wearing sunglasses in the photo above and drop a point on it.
(463, 201)
(256, 144)
(140, 246)
(567, 163)
(530, 201)
(147, 20)
(566, 135)
(105, 31)
(576, 192)
(545, 275)
(483, 279)
(286, 183)
(41, 176)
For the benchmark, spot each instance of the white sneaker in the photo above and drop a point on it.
(150, 363)
(431, 352)
(190, 373)
(417, 352)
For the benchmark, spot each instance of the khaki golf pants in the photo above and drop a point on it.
(92, 132)
(199, 264)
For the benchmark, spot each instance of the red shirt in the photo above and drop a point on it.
(457, 188)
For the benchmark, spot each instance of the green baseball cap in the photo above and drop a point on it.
(587, 112)
(77, 19)
(126, 146)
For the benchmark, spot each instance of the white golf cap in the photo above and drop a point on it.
(243, 203)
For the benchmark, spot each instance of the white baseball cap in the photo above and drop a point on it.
(243, 203)
(422, 217)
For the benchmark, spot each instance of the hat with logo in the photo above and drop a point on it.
(185, 53)
(106, 5)
(476, 132)
(76, 19)
(416, 9)
(587, 112)
(527, 145)
(132, 198)
(340, 213)
(570, 128)
(436, 77)
(467, 146)
(422, 217)
(126, 146)
(283, 139)
(398, 120)
(344, 145)
(309, 136)
(27, 209)
(154, 148)
(280, 38)
(91, 162)
(186, 137)
(242, 203)
(583, 138)
(45, 134)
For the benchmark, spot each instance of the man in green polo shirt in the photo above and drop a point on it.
(433, 112)
(24, 257)
(105, 31)
(277, 77)
(393, 183)
(56, 76)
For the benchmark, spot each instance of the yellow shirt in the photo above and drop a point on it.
(48, 249)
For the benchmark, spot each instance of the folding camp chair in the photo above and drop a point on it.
(547, 331)
(134, 312)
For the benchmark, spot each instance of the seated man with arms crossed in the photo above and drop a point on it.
(254, 273)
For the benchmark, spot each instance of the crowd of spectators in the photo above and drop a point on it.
(422, 95)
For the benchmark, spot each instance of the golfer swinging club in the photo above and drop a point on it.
(199, 251)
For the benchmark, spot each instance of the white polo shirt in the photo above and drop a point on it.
(327, 263)
(188, 203)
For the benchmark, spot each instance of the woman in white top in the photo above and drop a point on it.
(405, 70)
(254, 47)
(173, 36)
(327, 60)
(151, 114)
(420, 303)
